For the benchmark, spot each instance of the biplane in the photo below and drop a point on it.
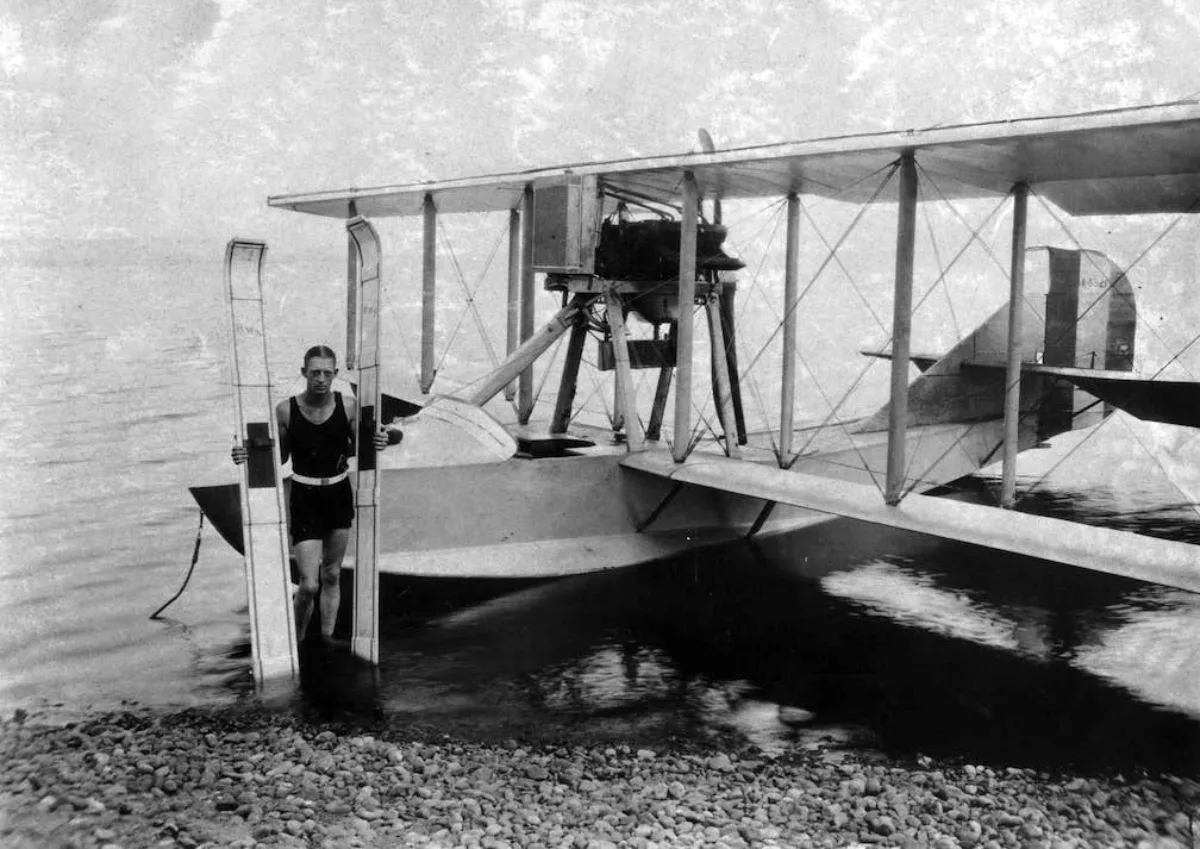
(636, 251)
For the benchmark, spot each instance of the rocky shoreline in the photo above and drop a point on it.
(242, 778)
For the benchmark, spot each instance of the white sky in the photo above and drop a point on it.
(123, 117)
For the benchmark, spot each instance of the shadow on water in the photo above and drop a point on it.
(935, 648)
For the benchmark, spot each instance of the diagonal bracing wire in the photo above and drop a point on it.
(974, 236)
(470, 294)
(937, 256)
(1154, 242)
(408, 351)
(1116, 279)
(845, 271)
(982, 244)
(891, 171)
(1124, 272)
(546, 371)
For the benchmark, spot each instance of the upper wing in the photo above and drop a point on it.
(1122, 161)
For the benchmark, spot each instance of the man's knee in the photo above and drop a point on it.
(307, 588)
(331, 574)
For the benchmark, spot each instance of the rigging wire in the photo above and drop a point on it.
(812, 376)
(937, 255)
(1116, 279)
(974, 236)
(891, 169)
(755, 286)
(470, 294)
(911, 459)
(1124, 272)
(837, 246)
(408, 351)
(845, 271)
(1166, 474)
(537, 394)
(987, 249)
(1123, 275)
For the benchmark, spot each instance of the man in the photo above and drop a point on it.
(317, 429)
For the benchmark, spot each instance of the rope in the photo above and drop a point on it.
(191, 568)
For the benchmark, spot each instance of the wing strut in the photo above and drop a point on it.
(685, 328)
(791, 283)
(1012, 374)
(428, 291)
(525, 380)
(906, 233)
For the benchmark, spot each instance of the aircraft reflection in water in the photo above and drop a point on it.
(936, 649)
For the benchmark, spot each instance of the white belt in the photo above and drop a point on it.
(305, 479)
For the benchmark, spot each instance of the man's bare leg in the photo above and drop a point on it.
(308, 563)
(331, 579)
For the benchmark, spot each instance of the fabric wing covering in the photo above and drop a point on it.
(1114, 162)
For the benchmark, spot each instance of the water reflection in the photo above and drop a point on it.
(937, 649)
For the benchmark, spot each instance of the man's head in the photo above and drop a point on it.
(319, 370)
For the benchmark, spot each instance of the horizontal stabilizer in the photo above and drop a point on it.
(1174, 402)
(921, 361)
(1158, 561)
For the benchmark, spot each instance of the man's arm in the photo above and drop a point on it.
(283, 418)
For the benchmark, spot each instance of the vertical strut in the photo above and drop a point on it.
(623, 372)
(428, 292)
(570, 376)
(906, 231)
(1012, 372)
(684, 332)
(787, 392)
(729, 328)
(720, 367)
(661, 391)
(525, 381)
(514, 290)
(351, 294)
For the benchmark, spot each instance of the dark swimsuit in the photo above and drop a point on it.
(320, 451)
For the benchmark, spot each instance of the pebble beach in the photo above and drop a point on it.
(250, 777)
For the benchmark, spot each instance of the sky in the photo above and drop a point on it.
(177, 118)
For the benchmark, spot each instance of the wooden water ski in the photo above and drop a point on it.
(268, 587)
(364, 641)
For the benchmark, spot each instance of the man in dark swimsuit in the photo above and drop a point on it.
(317, 428)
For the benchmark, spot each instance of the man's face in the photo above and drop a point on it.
(319, 372)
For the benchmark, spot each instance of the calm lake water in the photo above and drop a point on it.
(118, 390)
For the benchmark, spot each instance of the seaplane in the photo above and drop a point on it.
(491, 483)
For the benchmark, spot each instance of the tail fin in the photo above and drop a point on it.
(1078, 311)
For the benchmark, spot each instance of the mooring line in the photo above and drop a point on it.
(191, 568)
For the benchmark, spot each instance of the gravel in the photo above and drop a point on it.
(242, 778)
